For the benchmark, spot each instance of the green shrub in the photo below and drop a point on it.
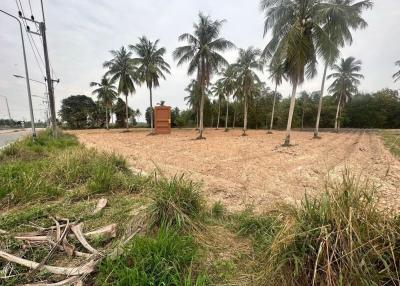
(340, 238)
(261, 228)
(218, 210)
(163, 260)
(176, 202)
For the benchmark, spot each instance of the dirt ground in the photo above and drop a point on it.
(255, 170)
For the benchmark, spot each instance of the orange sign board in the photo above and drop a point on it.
(162, 119)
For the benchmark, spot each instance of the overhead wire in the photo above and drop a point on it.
(31, 40)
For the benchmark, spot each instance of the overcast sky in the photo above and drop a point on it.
(81, 33)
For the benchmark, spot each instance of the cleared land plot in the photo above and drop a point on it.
(256, 170)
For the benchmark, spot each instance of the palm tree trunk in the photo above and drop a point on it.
(321, 94)
(197, 118)
(106, 118)
(219, 112)
(151, 112)
(126, 112)
(273, 111)
(245, 116)
(290, 117)
(227, 113)
(302, 119)
(234, 117)
(340, 116)
(212, 120)
(202, 83)
(201, 123)
(337, 114)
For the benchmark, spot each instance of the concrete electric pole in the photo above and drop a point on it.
(8, 108)
(49, 80)
(28, 87)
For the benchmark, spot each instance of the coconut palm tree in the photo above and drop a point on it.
(396, 76)
(346, 79)
(228, 80)
(122, 68)
(297, 38)
(106, 94)
(341, 16)
(218, 90)
(246, 77)
(193, 99)
(203, 54)
(277, 74)
(151, 66)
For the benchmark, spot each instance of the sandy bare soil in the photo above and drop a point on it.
(256, 170)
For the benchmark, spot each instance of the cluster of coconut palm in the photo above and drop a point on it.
(142, 63)
(300, 32)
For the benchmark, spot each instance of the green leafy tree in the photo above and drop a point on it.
(151, 66)
(77, 111)
(121, 68)
(119, 109)
(202, 52)
(297, 38)
(247, 79)
(396, 76)
(340, 17)
(148, 116)
(106, 94)
(175, 112)
(346, 79)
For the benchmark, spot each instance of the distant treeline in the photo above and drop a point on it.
(10, 123)
(371, 110)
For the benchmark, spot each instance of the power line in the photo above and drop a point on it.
(30, 7)
(36, 48)
(31, 39)
(34, 53)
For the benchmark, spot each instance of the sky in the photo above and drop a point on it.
(80, 34)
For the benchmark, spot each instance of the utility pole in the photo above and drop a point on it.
(42, 28)
(49, 80)
(45, 94)
(8, 108)
(28, 86)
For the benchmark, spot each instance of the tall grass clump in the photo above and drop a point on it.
(261, 228)
(165, 259)
(80, 165)
(176, 202)
(339, 238)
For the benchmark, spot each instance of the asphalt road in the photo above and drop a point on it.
(7, 137)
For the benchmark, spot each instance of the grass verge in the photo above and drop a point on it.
(165, 259)
(49, 168)
(391, 140)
